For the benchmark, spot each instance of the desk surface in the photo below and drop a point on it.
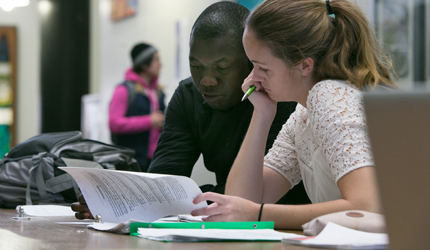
(44, 233)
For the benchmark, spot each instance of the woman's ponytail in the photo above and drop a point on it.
(354, 54)
(342, 44)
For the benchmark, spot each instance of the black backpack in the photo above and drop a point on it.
(29, 173)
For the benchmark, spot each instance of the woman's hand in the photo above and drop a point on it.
(157, 119)
(226, 208)
(81, 209)
(259, 98)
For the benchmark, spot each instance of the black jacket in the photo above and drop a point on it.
(192, 128)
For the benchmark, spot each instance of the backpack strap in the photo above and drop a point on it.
(36, 172)
(59, 183)
(65, 181)
(131, 90)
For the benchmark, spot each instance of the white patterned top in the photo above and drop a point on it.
(323, 142)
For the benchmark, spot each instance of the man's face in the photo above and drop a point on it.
(218, 68)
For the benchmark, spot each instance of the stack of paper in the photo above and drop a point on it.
(209, 231)
(47, 210)
(192, 235)
(124, 227)
(338, 237)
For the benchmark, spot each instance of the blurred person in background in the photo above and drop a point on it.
(136, 111)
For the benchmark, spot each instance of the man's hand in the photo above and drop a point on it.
(81, 209)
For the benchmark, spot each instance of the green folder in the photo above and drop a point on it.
(203, 225)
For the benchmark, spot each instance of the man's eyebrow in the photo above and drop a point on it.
(224, 59)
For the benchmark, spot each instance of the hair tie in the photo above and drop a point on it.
(261, 210)
(329, 9)
(143, 55)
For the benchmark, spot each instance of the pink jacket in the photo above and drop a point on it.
(120, 124)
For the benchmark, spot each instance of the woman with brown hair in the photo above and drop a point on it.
(320, 54)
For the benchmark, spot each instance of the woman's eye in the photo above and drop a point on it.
(264, 70)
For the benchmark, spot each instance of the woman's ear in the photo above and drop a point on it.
(143, 67)
(306, 66)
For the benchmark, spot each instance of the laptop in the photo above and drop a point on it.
(399, 130)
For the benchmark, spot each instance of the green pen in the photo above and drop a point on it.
(248, 93)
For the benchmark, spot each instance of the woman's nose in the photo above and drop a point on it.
(257, 77)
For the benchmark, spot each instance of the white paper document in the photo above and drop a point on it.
(338, 237)
(190, 235)
(187, 218)
(74, 222)
(124, 227)
(119, 196)
(47, 210)
(118, 228)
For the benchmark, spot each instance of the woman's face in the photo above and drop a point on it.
(278, 80)
(155, 66)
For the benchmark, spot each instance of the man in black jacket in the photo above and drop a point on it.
(205, 115)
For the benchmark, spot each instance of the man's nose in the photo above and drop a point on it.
(208, 79)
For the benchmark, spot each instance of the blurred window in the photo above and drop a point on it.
(402, 28)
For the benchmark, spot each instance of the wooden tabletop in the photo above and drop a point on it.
(43, 233)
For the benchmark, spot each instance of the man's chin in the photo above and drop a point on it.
(216, 106)
(221, 105)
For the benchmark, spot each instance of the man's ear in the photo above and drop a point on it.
(306, 66)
